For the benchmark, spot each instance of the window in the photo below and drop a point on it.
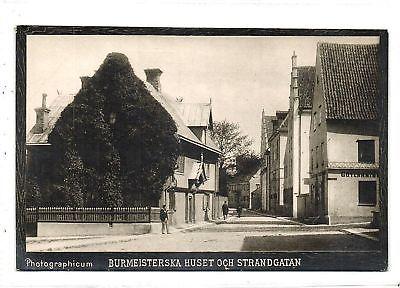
(180, 164)
(367, 193)
(207, 168)
(366, 151)
(316, 154)
(171, 200)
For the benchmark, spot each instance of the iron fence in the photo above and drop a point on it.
(89, 215)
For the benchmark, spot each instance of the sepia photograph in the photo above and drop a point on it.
(201, 149)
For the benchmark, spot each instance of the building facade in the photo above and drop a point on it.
(239, 193)
(277, 144)
(296, 162)
(194, 195)
(266, 131)
(344, 134)
(255, 191)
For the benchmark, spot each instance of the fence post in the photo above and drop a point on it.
(149, 214)
(37, 214)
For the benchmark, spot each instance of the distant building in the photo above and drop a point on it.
(266, 131)
(344, 133)
(239, 193)
(296, 166)
(255, 191)
(275, 166)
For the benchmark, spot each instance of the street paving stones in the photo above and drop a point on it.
(251, 232)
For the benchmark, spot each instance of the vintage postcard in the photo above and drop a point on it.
(166, 149)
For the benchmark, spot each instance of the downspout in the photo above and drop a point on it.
(299, 165)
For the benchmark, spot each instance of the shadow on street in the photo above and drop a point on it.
(327, 242)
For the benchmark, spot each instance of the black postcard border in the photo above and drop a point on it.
(310, 261)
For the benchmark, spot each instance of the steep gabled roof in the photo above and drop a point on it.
(58, 105)
(195, 114)
(349, 80)
(210, 142)
(280, 123)
(183, 131)
(306, 78)
(284, 125)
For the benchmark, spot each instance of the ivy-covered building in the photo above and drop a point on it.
(191, 193)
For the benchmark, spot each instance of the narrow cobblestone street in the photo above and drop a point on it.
(251, 232)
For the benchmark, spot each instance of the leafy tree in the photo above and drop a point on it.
(232, 143)
(114, 144)
(32, 197)
(248, 163)
(230, 140)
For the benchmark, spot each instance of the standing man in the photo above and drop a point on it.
(239, 210)
(164, 219)
(225, 210)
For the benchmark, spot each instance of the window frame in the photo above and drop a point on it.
(180, 168)
(359, 152)
(370, 204)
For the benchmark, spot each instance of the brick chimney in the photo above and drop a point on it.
(84, 81)
(42, 116)
(153, 77)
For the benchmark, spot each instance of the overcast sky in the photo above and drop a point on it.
(242, 75)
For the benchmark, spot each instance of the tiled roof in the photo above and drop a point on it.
(55, 108)
(349, 80)
(195, 114)
(183, 130)
(305, 81)
(280, 117)
(210, 142)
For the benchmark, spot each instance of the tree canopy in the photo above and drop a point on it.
(230, 140)
(233, 144)
(114, 144)
(247, 164)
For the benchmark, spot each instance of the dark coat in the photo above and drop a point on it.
(225, 208)
(163, 214)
